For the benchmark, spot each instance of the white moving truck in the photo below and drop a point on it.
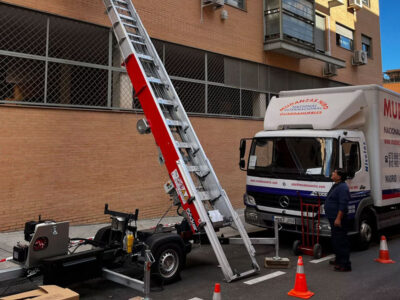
(309, 133)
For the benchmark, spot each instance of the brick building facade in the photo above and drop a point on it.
(69, 141)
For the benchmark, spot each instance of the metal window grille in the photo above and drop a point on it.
(54, 61)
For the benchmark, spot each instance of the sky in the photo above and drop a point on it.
(390, 34)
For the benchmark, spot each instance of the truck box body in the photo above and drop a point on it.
(312, 132)
(372, 109)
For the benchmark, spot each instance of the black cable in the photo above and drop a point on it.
(179, 213)
(73, 251)
(162, 217)
(87, 241)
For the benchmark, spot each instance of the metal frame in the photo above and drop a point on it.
(144, 68)
(141, 286)
(264, 241)
(12, 273)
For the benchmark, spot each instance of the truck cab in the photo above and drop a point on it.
(284, 166)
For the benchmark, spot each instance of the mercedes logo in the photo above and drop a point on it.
(284, 201)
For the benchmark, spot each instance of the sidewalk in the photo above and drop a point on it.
(9, 239)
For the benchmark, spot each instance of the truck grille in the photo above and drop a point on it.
(272, 200)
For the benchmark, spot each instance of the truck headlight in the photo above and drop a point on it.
(324, 227)
(249, 200)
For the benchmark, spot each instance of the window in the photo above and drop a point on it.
(365, 3)
(297, 23)
(237, 3)
(320, 33)
(296, 18)
(366, 44)
(293, 157)
(351, 157)
(344, 37)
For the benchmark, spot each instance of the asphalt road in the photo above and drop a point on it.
(368, 280)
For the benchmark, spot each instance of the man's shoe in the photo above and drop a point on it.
(342, 269)
(333, 262)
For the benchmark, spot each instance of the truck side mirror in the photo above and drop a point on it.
(242, 148)
(242, 164)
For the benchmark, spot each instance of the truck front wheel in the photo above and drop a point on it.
(168, 262)
(366, 231)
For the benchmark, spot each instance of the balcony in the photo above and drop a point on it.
(290, 28)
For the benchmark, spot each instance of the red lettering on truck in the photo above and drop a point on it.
(391, 109)
(323, 104)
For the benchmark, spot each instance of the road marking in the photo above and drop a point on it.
(265, 277)
(316, 261)
(195, 298)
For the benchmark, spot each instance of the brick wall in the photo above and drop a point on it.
(241, 35)
(65, 164)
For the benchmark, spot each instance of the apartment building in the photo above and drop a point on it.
(392, 80)
(69, 142)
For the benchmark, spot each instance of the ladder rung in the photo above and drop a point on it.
(204, 196)
(131, 35)
(201, 171)
(130, 25)
(137, 42)
(175, 123)
(154, 80)
(162, 101)
(121, 8)
(198, 169)
(123, 17)
(183, 145)
(120, 1)
(193, 168)
(145, 57)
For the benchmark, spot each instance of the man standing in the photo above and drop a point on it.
(336, 211)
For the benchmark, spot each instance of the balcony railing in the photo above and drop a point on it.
(289, 27)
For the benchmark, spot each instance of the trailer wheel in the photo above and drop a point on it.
(296, 247)
(317, 251)
(366, 231)
(168, 263)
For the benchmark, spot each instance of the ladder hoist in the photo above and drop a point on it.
(205, 204)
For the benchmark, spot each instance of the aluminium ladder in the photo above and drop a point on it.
(194, 179)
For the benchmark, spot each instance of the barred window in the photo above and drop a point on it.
(55, 61)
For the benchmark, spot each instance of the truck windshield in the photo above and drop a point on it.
(293, 158)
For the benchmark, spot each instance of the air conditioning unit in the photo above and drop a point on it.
(216, 3)
(329, 70)
(333, 3)
(355, 4)
(359, 58)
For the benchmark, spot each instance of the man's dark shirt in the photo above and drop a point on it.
(337, 199)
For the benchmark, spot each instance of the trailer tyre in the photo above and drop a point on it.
(366, 231)
(169, 260)
(103, 235)
(296, 247)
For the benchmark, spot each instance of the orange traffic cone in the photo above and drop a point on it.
(300, 286)
(217, 292)
(384, 252)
